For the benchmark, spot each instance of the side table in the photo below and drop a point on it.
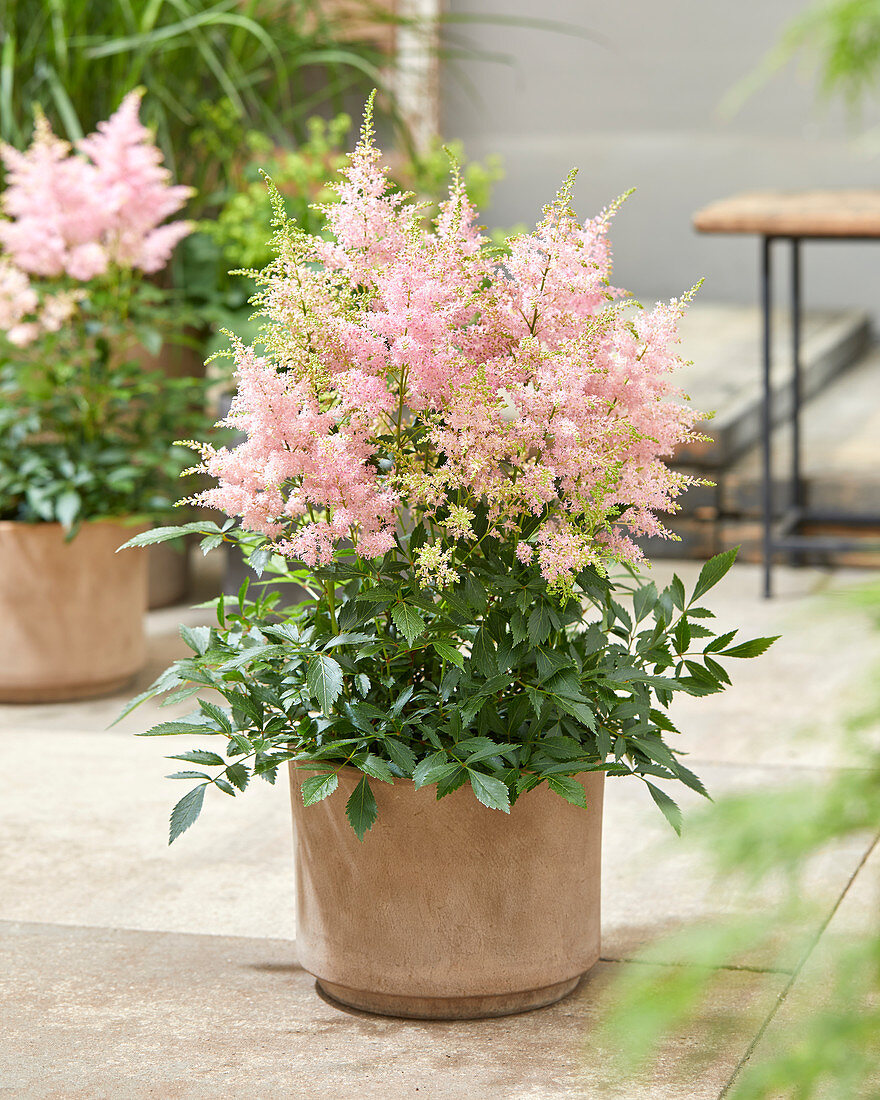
(794, 217)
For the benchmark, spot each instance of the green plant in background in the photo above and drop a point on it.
(270, 64)
(86, 432)
(827, 1041)
(840, 39)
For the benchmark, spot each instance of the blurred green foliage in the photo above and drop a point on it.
(267, 64)
(826, 1039)
(840, 40)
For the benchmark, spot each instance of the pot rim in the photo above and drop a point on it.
(314, 765)
(44, 525)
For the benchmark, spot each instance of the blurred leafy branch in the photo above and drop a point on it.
(827, 1041)
(840, 39)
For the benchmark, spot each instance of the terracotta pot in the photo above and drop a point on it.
(448, 910)
(71, 614)
(168, 572)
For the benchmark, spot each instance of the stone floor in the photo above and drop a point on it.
(134, 970)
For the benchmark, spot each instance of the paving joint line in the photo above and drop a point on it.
(781, 998)
(698, 966)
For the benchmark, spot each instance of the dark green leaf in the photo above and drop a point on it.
(753, 648)
(186, 812)
(539, 625)
(324, 679)
(448, 652)
(199, 756)
(317, 787)
(361, 808)
(670, 809)
(238, 775)
(490, 791)
(408, 620)
(569, 788)
(713, 571)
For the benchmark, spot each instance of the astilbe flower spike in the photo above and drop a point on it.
(411, 379)
(79, 213)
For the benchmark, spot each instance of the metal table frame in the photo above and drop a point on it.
(784, 534)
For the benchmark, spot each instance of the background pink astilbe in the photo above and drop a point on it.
(77, 213)
(413, 378)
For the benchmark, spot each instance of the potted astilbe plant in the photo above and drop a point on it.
(454, 458)
(86, 435)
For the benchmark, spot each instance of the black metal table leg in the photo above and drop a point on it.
(796, 494)
(766, 416)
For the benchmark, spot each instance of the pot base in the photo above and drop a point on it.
(448, 1008)
(49, 693)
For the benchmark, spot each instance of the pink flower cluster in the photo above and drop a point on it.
(78, 213)
(412, 376)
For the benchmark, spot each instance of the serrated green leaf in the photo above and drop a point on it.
(324, 679)
(317, 787)
(170, 729)
(361, 808)
(668, 807)
(375, 767)
(238, 775)
(713, 571)
(188, 775)
(644, 599)
(539, 625)
(490, 791)
(483, 654)
(401, 754)
(196, 637)
(362, 683)
(753, 648)
(448, 652)
(186, 812)
(211, 710)
(569, 788)
(408, 620)
(577, 710)
(424, 768)
(198, 756)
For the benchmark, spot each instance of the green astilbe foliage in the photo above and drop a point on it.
(86, 432)
(491, 682)
(826, 1043)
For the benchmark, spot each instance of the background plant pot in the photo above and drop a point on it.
(71, 613)
(169, 573)
(448, 910)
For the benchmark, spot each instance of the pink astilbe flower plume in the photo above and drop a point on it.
(79, 213)
(412, 380)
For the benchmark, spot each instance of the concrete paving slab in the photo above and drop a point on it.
(788, 707)
(92, 1014)
(858, 915)
(86, 844)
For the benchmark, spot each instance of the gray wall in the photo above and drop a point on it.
(640, 109)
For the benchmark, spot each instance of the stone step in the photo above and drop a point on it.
(723, 344)
(840, 461)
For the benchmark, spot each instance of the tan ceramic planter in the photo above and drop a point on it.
(168, 572)
(71, 614)
(448, 910)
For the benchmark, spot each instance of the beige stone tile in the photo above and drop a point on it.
(93, 1014)
(655, 885)
(857, 916)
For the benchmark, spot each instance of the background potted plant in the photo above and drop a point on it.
(86, 435)
(450, 452)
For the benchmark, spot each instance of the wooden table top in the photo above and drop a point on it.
(835, 213)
